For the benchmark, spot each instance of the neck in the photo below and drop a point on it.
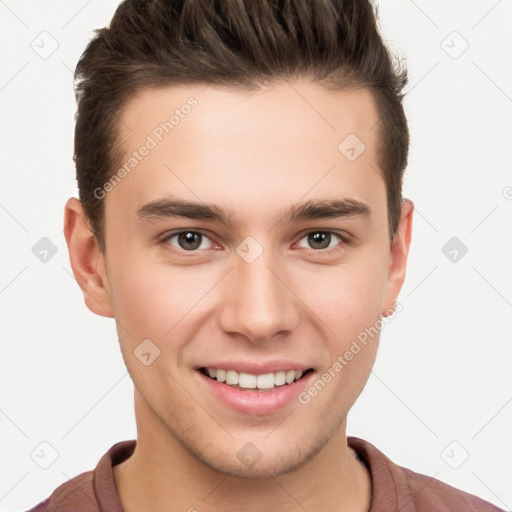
(162, 472)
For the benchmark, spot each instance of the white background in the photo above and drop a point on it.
(443, 369)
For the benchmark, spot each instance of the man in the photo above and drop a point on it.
(271, 138)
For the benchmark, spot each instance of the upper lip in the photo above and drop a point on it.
(256, 368)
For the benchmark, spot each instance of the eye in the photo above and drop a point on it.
(190, 241)
(187, 241)
(323, 240)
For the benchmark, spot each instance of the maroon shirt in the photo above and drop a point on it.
(394, 488)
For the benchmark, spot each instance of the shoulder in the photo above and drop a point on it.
(92, 491)
(78, 493)
(397, 488)
(428, 493)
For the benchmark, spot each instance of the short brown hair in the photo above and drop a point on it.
(232, 43)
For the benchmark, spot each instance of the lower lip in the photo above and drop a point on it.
(256, 402)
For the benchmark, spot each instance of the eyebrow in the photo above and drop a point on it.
(167, 207)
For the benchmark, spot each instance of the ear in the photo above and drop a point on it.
(398, 257)
(87, 261)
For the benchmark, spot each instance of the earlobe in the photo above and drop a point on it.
(87, 261)
(398, 257)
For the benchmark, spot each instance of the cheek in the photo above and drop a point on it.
(349, 297)
(349, 302)
(146, 302)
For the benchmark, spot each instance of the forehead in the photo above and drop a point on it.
(287, 142)
(304, 108)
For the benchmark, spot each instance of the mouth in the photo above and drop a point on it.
(256, 383)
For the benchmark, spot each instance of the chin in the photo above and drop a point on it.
(265, 468)
(261, 458)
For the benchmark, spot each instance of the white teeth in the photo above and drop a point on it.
(280, 378)
(265, 381)
(246, 380)
(232, 377)
(290, 376)
(250, 381)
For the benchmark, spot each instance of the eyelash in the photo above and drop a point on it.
(345, 239)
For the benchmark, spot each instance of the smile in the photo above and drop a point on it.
(249, 381)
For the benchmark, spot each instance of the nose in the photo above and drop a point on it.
(257, 301)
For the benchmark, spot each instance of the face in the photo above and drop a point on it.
(273, 275)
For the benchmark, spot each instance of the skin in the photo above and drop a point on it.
(256, 153)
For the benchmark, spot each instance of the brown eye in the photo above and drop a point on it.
(322, 240)
(319, 240)
(186, 240)
(189, 240)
